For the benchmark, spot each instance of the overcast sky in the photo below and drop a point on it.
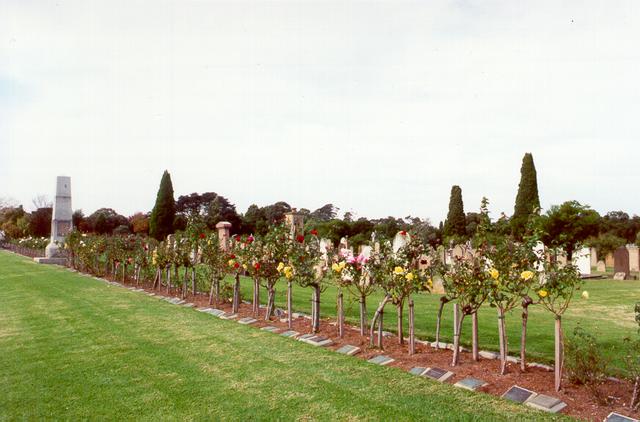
(376, 107)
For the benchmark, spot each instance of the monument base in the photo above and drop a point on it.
(54, 261)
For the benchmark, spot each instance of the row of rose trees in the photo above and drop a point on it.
(497, 271)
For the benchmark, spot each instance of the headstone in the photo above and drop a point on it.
(61, 223)
(619, 276)
(247, 321)
(608, 260)
(601, 267)
(224, 232)
(634, 258)
(546, 403)
(291, 334)
(349, 350)
(621, 261)
(418, 370)
(381, 360)
(319, 341)
(204, 309)
(270, 328)
(594, 257)
(617, 417)
(438, 374)
(470, 384)
(305, 337)
(295, 222)
(400, 240)
(228, 316)
(518, 394)
(582, 260)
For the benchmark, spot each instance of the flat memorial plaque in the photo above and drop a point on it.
(518, 394)
(247, 321)
(305, 337)
(348, 350)
(204, 309)
(438, 374)
(381, 360)
(617, 417)
(319, 341)
(290, 333)
(228, 316)
(270, 328)
(546, 403)
(470, 384)
(418, 370)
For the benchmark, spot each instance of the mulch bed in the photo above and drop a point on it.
(580, 401)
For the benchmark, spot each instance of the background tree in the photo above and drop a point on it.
(527, 199)
(605, 243)
(42, 201)
(40, 222)
(105, 220)
(164, 211)
(568, 225)
(139, 223)
(455, 225)
(77, 219)
(324, 213)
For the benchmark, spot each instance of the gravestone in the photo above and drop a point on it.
(437, 374)
(608, 260)
(621, 261)
(349, 350)
(295, 223)
(418, 370)
(619, 276)
(594, 257)
(546, 403)
(601, 267)
(518, 394)
(634, 258)
(290, 333)
(270, 328)
(582, 260)
(470, 384)
(247, 321)
(617, 417)
(381, 360)
(228, 316)
(224, 231)
(61, 223)
(319, 341)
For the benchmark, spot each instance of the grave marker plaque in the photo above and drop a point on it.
(470, 384)
(617, 417)
(349, 350)
(546, 403)
(381, 360)
(418, 370)
(518, 394)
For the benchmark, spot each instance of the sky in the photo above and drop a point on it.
(376, 107)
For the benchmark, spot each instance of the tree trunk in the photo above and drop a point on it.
(412, 337)
(271, 295)
(558, 353)
(363, 315)
(526, 301)
(235, 307)
(341, 315)
(316, 308)
(378, 316)
(193, 281)
(636, 394)
(456, 340)
(124, 273)
(380, 329)
(256, 298)
(212, 291)
(474, 336)
(184, 282)
(168, 279)
(289, 304)
(503, 342)
(399, 309)
(438, 321)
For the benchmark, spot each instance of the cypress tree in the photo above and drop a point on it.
(527, 199)
(455, 225)
(164, 211)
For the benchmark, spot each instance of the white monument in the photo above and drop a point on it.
(582, 260)
(61, 223)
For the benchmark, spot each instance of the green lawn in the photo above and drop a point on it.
(72, 347)
(608, 313)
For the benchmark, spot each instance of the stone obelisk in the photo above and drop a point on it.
(61, 222)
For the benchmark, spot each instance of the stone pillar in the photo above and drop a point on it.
(295, 222)
(594, 257)
(61, 222)
(224, 230)
(634, 258)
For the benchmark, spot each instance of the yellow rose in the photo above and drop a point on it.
(542, 293)
(430, 282)
(280, 267)
(585, 295)
(526, 275)
(409, 276)
(494, 273)
(398, 270)
(335, 267)
(244, 266)
(231, 262)
(342, 265)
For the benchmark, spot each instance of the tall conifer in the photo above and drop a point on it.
(164, 211)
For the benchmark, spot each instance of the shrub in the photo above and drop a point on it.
(584, 361)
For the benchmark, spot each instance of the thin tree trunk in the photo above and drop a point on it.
(341, 315)
(212, 291)
(168, 279)
(236, 295)
(184, 282)
(378, 316)
(412, 337)
(124, 273)
(256, 298)
(271, 295)
(526, 301)
(289, 304)
(558, 353)
(504, 346)
(438, 321)
(380, 329)
(456, 341)
(474, 336)
(363, 315)
(399, 310)
(316, 308)
(193, 281)
(636, 394)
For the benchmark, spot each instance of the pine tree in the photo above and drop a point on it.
(455, 225)
(164, 211)
(527, 200)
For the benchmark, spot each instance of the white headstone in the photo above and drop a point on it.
(401, 239)
(634, 258)
(582, 260)
(538, 249)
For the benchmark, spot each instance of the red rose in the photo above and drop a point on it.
(202, 236)
(314, 232)
(300, 238)
(403, 232)
(236, 265)
(249, 239)
(232, 256)
(257, 265)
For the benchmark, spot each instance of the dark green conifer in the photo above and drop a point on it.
(164, 211)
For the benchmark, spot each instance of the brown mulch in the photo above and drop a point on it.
(580, 401)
